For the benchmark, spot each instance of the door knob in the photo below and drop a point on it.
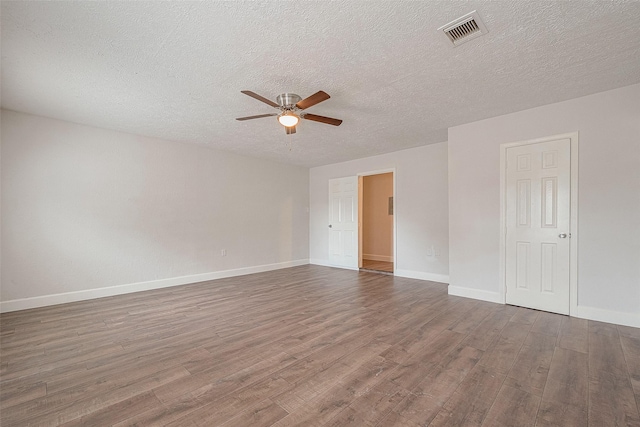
(330, 226)
(562, 235)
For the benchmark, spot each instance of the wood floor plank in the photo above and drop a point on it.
(118, 411)
(423, 402)
(525, 316)
(631, 349)
(312, 379)
(612, 399)
(513, 407)
(531, 366)
(628, 331)
(501, 356)
(470, 403)
(488, 331)
(548, 323)
(612, 402)
(21, 393)
(79, 402)
(312, 346)
(470, 321)
(568, 379)
(215, 410)
(565, 398)
(266, 414)
(216, 383)
(574, 334)
(602, 328)
(553, 414)
(606, 356)
(374, 404)
(413, 369)
(329, 402)
(396, 420)
(377, 265)
(347, 417)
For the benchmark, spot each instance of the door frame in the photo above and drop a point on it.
(395, 234)
(573, 229)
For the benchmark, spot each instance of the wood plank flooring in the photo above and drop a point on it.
(313, 346)
(368, 264)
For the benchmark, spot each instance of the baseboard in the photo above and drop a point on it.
(54, 299)
(372, 257)
(475, 294)
(608, 316)
(420, 275)
(320, 262)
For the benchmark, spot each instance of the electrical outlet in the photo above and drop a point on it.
(223, 252)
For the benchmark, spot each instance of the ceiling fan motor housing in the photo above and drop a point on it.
(288, 100)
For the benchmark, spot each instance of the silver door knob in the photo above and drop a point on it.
(330, 226)
(562, 235)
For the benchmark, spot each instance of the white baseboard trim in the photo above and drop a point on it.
(320, 262)
(420, 275)
(475, 294)
(54, 299)
(372, 257)
(608, 316)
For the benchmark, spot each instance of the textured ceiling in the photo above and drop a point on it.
(175, 70)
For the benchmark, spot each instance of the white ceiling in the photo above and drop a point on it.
(175, 70)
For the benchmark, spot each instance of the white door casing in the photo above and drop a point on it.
(538, 225)
(343, 222)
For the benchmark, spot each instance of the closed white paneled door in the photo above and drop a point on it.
(538, 203)
(343, 222)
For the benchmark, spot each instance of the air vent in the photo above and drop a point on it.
(465, 28)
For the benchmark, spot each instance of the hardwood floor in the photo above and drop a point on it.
(313, 346)
(368, 264)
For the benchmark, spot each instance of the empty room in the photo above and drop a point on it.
(320, 213)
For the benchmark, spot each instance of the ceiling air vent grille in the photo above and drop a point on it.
(465, 28)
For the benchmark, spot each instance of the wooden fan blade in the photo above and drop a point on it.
(256, 117)
(260, 98)
(322, 119)
(290, 130)
(312, 100)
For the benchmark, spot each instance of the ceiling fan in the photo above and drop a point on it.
(292, 108)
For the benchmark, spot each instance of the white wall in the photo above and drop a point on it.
(85, 210)
(608, 198)
(420, 208)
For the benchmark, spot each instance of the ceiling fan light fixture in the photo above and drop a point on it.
(288, 119)
(291, 109)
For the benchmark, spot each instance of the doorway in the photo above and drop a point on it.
(376, 219)
(538, 215)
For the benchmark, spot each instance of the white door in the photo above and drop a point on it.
(538, 202)
(343, 222)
